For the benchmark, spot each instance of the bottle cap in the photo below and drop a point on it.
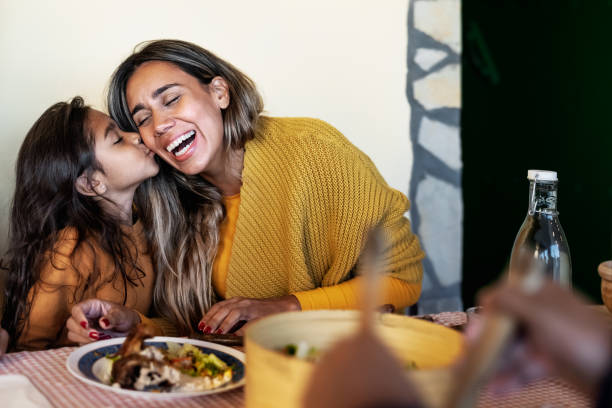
(543, 175)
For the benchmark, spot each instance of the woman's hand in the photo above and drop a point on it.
(96, 319)
(4, 339)
(224, 315)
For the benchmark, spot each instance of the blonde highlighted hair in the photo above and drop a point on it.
(182, 213)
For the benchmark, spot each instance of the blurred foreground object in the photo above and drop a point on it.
(370, 269)
(277, 380)
(541, 232)
(560, 333)
(605, 271)
(497, 332)
(333, 382)
(338, 381)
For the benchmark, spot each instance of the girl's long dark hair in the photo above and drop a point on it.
(56, 151)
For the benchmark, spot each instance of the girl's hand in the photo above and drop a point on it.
(224, 315)
(96, 319)
(4, 339)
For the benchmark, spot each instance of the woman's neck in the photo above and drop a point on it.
(228, 178)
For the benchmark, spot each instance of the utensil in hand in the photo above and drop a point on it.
(498, 330)
(370, 270)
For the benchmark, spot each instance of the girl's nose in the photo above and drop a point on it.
(134, 138)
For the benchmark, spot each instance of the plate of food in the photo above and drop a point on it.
(158, 367)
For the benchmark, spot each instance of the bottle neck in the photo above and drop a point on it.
(542, 197)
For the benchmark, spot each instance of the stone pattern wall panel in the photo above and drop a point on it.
(434, 93)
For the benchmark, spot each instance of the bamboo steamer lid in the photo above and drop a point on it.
(276, 380)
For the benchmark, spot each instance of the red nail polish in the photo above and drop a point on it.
(94, 335)
(84, 324)
(207, 330)
(201, 326)
(105, 322)
(219, 331)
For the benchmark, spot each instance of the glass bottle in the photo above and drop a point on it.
(541, 233)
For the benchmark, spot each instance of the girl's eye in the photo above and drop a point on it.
(171, 101)
(119, 140)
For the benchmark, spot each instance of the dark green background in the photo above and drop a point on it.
(548, 108)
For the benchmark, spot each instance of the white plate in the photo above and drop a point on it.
(18, 392)
(81, 361)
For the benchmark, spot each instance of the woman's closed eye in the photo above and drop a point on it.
(171, 100)
(140, 121)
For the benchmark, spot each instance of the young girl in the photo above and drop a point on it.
(72, 235)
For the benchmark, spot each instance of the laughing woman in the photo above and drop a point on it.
(72, 235)
(252, 215)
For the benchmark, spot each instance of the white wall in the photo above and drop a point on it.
(343, 61)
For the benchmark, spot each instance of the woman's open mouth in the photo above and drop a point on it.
(181, 144)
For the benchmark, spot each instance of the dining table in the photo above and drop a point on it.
(46, 371)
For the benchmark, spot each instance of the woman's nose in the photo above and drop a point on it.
(162, 124)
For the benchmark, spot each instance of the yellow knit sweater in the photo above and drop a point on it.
(345, 295)
(307, 199)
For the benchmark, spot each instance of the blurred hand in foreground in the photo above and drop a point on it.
(359, 372)
(96, 319)
(560, 335)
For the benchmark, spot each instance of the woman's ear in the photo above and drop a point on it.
(89, 186)
(220, 91)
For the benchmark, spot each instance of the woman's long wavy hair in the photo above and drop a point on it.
(56, 151)
(183, 212)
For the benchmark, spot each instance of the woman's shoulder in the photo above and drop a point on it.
(302, 137)
(309, 145)
(296, 127)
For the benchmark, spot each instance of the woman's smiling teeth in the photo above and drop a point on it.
(181, 144)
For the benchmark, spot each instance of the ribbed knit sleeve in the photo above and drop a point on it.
(347, 295)
(308, 199)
